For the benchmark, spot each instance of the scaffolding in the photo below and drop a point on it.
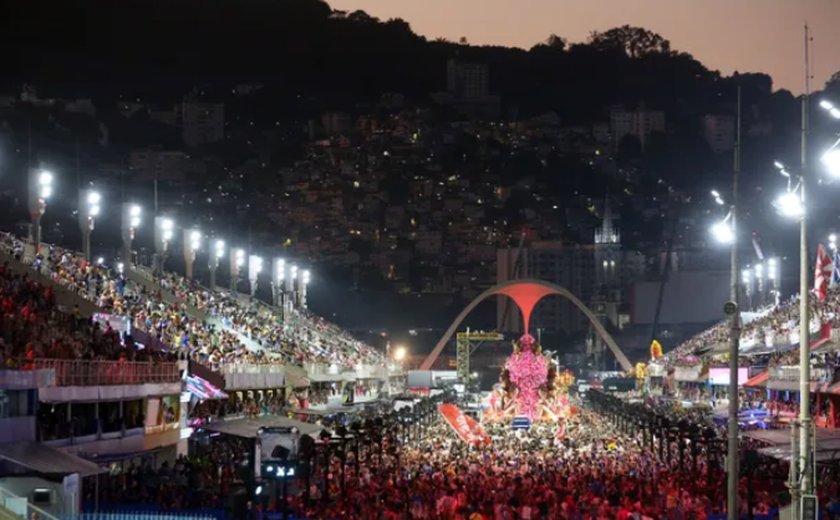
(465, 344)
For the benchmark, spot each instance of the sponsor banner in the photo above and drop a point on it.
(465, 426)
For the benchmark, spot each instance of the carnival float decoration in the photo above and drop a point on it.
(655, 350)
(529, 387)
(641, 375)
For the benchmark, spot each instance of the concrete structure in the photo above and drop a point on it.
(570, 266)
(525, 295)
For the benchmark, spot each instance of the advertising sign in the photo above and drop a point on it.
(465, 427)
(720, 376)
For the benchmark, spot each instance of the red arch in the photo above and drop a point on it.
(526, 294)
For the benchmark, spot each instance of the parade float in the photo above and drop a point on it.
(529, 387)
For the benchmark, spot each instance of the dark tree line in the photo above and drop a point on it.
(159, 49)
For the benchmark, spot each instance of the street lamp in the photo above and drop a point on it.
(293, 276)
(277, 279)
(89, 209)
(130, 222)
(164, 232)
(399, 354)
(192, 244)
(255, 264)
(774, 275)
(303, 283)
(213, 261)
(723, 231)
(830, 108)
(792, 205)
(237, 261)
(40, 189)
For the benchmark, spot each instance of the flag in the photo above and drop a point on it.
(822, 272)
(835, 277)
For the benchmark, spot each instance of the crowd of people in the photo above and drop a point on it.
(596, 471)
(217, 342)
(204, 480)
(775, 326)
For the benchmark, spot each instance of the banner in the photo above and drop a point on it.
(465, 427)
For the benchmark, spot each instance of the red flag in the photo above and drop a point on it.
(822, 272)
(465, 427)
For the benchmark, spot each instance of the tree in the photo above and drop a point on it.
(636, 42)
(556, 42)
(362, 17)
(833, 84)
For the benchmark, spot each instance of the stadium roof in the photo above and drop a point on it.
(45, 460)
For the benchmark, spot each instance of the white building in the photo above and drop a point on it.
(202, 122)
(467, 80)
(719, 132)
(638, 123)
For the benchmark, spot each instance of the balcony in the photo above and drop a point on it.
(97, 380)
(787, 377)
(246, 376)
(371, 372)
(103, 373)
(321, 372)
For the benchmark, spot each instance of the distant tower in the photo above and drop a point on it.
(607, 290)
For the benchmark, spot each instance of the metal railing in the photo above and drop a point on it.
(246, 368)
(791, 373)
(140, 515)
(97, 373)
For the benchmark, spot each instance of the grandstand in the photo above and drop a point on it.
(769, 360)
(106, 371)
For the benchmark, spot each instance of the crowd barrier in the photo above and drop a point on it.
(152, 512)
(149, 515)
(70, 372)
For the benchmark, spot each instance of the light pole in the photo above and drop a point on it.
(278, 276)
(726, 232)
(130, 223)
(255, 264)
(792, 204)
(829, 107)
(774, 275)
(164, 231)
(192, 245)
(237, 261)
(40, 189)
(290, 289)
(303, 283)
(214, 259)
(747, 281)
(89, 209)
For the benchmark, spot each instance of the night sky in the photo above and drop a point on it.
(728, 35)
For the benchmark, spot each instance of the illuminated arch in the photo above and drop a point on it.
(526, 294)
